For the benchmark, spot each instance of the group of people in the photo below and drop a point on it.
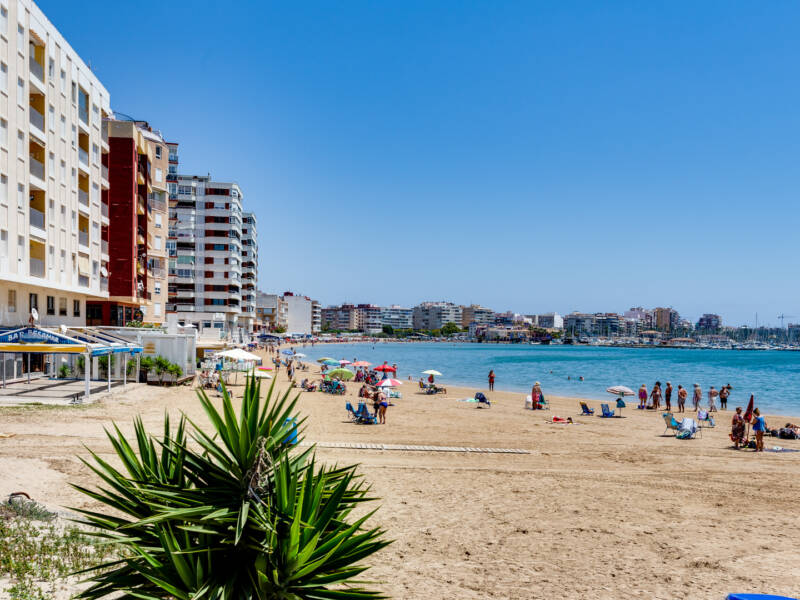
(652, 401)
(380, 403)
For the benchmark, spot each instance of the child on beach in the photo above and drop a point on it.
(759, 427)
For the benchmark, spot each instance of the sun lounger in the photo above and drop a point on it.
(671, 423)
(350, 412)
(688, 429)
(363, 416)
(585, 410)
(607, 412)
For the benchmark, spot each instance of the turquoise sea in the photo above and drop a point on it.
(773, 376)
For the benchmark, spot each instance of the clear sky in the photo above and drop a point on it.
(527, 156)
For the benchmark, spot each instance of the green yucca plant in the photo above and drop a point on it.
(231, 514)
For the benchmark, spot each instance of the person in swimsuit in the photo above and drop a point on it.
(759, 427)
(383, 404)
(698, 396)
(682, 394)
(642, 396)
(655, 395)
(491, 381)
(712, 394)
(723, 397)
(668, 396)
(737, 428)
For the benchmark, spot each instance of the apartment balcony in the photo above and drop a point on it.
(158, 272)
(83, 159)
(185, 307)
(104, 247)
(141, 206)
(158, 204)
(36, 267)
(37, 75)
(104, 210)
(140, 239)
(83, 281)
(83, 239)
(104, 176)
(83, 199)
(36, 169)
(36, 120)
(37, 223)
(140, 268)
(83, 116)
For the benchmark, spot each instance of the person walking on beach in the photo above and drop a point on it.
(682, 394)
(642, 397)
(698, 396)
(668, 396)
(737, 428)
(712, 394)
(491, 381)
(724, 392)
(759, 427)
(655, 395)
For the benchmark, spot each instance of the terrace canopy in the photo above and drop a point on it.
(78, 340)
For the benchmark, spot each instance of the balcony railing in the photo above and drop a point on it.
(104, 247)
(83, 238)
(158, 204)
(104, 172)
(83, 197)
(83, 157)
(36, 168)
(158, 272)
(36, 267)
(37, 118)
(37, 218)
(83, 113)
(37, 70)
(104, 209)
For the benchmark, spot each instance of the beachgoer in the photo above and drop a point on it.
(682, 394)
(376, 401)
(491, 381)
(712, 394)
(536, 395)
(394, 366)
(724, 392)
(737, 428)
(759, 427)
(642, 397)
(430, 379)
(655, 395)
(697, 397)
(382, 406)
(668, 396)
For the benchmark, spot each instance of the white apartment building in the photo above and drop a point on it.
(298, 313)
(550, 321)
(205, 253)
(249, 271)
(51, 174)
(397, 317)
(434, 315)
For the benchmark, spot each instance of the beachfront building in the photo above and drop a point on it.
(435, 315)
(550, 321)
(266, 311)
(666, 319)
(249, 271)
(316, 317)
(205, 253)
(340, 318)
(475, 313)
(397, 317)
(368, 318)
(136, 235)
(52, 256)
(709, 323)
(645, 317)
(298, 313)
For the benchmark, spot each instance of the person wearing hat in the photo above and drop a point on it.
(698, 396)
(536, 396)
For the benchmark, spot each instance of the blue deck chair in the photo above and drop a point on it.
(363, 415)
(671, 423)
(758, 597)
(585, 410)
(607, 412)
(351, 414)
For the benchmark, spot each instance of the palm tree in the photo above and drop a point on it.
(236, 514)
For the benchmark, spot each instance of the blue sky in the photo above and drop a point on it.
(526, 156)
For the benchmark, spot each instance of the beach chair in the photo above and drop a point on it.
(585, 410)
(362, 415)
(671, 423)
(607, 412)
(687, 429)
(704, 419)
(351, 414)
(620, 405)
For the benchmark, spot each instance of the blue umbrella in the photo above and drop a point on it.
(331, 363)
(288, 352)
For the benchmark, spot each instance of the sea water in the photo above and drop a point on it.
(772, 376)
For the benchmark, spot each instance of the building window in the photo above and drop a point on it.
(63, 127)
(157, 309)
(4, 77)
(63, 82)
(51, 305)
(62, 307)
(63, 172)
(21, 39)
(3, 190)
(51, 118)
(20, 196)
(33, 302)
(95, 154)
(158, 221)
(20, 92)
(159, 175)
(76, 308)
(20, 254)
(74, 92)
(4, 133)
(3, 20)
(51, 165)
(12, 301)
(51, 69)
(21, 144)
(158, 287)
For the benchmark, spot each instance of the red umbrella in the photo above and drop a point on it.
(386, 368)
(748, 414)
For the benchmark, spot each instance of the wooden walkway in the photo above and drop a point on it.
(404, 448)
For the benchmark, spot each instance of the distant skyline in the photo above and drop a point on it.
(526, 156)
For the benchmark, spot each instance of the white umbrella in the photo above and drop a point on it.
(299, 355)
(239, 354)
(620, 390)
(260, 374)
(431, 372)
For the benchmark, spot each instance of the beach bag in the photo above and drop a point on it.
(684, 435)
(480, 397)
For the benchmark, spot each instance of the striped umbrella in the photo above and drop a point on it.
(390, 383)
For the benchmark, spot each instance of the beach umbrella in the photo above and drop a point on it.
(432, 372)
(344, 362)
(324, 358)
(287, 352)
(362, 363)
(263, 368)
(386, 369)
(331, 362)
(299, 355)
(390, 383)
(748, 414)
(620, 390)
(260, 374)
(341, 374)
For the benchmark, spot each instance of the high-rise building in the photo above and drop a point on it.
(249, 270)
(397, 317)
(205, 252)
(52, 217)
(666, 319)
(316, 317)
(435, 315)
(550, 321)
(341, 318)
(137, 232)
(709, 323)
(474, 313)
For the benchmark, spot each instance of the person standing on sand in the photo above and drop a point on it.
(737, 428)
(491, 381)
(723, 397)
(655, 395)
(712, 394)
(668, 396)
(382, 408)
(536, 395)
(697, 397)
(682, 394)
(759, 427)
(642, 397)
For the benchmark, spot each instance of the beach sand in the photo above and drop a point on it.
(604, 508)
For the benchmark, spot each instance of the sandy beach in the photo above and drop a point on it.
(603, 508)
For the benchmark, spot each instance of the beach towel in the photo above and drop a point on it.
(687, 429)
(467, 400)
(780, 449)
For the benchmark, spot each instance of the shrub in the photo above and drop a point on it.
(64, 371)
(237, 514)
